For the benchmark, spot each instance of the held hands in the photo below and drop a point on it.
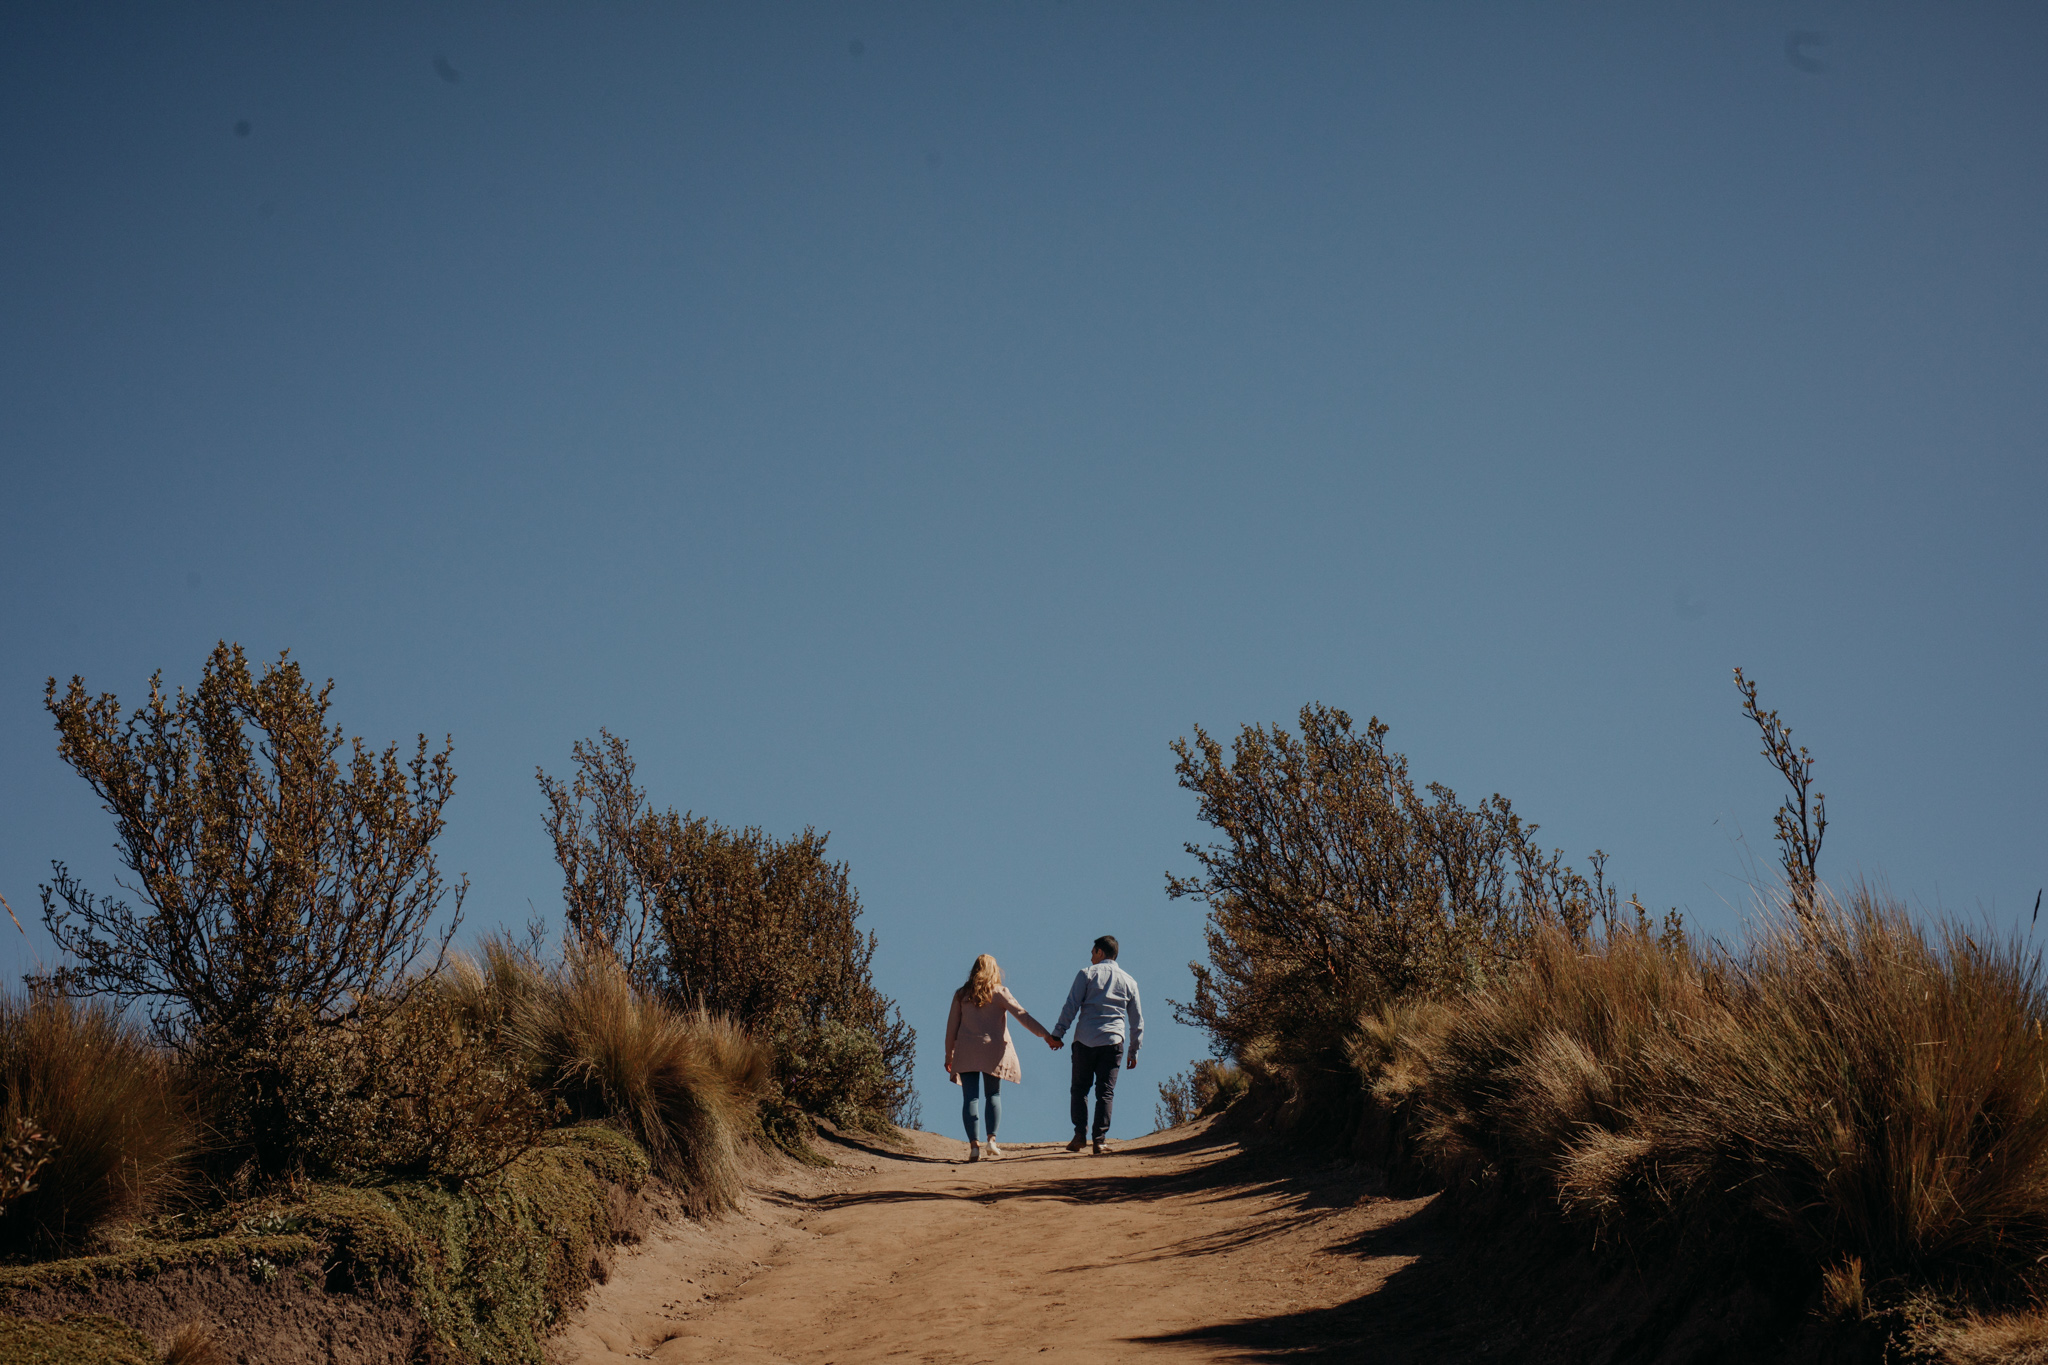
(1054, 1043)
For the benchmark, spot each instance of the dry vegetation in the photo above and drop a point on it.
(310, 1044)
(684, 1084)
(764, 931)
(96, 1128)
(1846, 1118)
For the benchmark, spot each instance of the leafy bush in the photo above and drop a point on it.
(403, 1088)
(114, 1129)
(836, 1072)
(274, 878)
(24, 1150)
(685, 1085)
(1337, 888)
(762, 930)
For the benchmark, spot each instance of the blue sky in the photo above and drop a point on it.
(907, 420)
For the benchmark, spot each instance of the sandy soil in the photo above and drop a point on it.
(1174, 1247)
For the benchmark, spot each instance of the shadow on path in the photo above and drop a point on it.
(868, 1145)
(1423, 1314)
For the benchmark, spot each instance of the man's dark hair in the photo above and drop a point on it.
(1107, 943)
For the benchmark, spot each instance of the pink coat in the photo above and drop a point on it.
(978, 1036)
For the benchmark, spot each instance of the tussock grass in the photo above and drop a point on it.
(104, 1099)
(1860, 1094)
(192, 1344)
(685, 1085)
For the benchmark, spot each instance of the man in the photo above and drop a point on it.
(1109, 1028)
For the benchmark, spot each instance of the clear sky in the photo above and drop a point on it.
(907, 420)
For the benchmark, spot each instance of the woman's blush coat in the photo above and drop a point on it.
(978, 1036)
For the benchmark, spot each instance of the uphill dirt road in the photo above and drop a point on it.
(1176, 1247)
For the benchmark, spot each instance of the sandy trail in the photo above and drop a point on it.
(1174, 1247)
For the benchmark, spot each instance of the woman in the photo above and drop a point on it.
(979, 1057)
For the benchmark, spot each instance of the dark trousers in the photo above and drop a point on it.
(1094, 1066)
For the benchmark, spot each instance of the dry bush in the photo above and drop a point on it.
(1207, 1087)
(1177, 1102)
(606, 839)
(685, 1085)
(103, 1096)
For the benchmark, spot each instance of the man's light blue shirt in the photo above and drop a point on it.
(1106, 999)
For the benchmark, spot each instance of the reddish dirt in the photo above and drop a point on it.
(1174, 1247)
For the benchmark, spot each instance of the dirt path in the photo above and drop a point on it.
(1174, 1247)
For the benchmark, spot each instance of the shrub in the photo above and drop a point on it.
(838, 1073)
(275, 877)
(24, 1150)
(685, 1085)
(1336, 887)
(114, 1129)
(1178, 1103)
(1208, 1087)
(762, 930)
(405, 1087)
(608, 842)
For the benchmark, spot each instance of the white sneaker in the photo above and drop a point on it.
(974, 1151)
(993, 1150)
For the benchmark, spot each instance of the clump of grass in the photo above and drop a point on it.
(113, 1129)
(1885, 1088)
(685, 1085)
(1869, 1095)
(192, 1344)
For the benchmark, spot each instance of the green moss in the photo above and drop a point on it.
(493, 1266)
(150, 1257)
(489, 1266)
(74, 1341)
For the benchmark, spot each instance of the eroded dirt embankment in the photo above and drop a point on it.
(1175, 1247)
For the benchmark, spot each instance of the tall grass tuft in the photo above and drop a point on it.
(114, 1130)
(685, 1085)
(1868, 1094)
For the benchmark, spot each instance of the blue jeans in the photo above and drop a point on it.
(970, 1103)
(1094, 1066)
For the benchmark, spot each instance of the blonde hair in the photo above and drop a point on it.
(982, 980)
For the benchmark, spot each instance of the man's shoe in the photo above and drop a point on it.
(974, 1151)
(993, 1150)
(1101, 1147)
(1077, 1144)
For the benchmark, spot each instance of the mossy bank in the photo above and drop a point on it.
(328, 1273)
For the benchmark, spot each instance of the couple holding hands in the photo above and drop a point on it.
(1103, 1007)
